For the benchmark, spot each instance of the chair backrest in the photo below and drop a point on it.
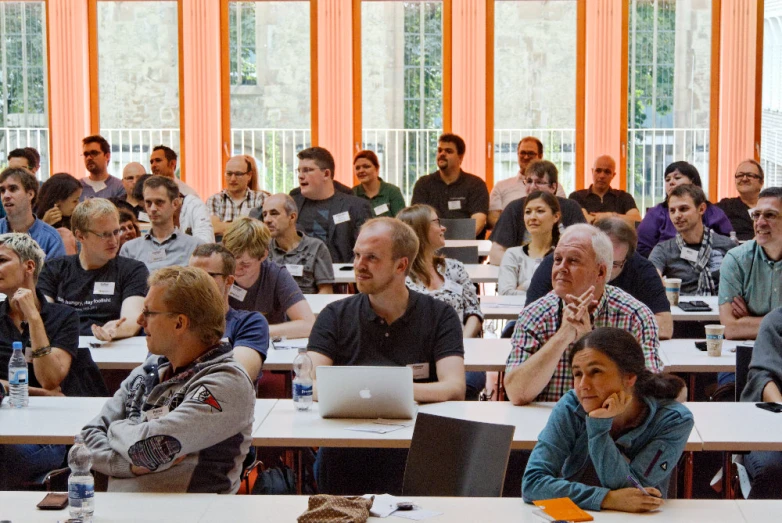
(458, 229)
(453, 457)
(743, 357)
(463, 254)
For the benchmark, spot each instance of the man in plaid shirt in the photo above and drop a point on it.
(240, 195)
(537, 367)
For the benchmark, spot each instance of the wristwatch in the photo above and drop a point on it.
(43, 351)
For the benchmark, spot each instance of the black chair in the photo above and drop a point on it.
(463, 254)
(458, 229)
(453, 457)
(743, 358)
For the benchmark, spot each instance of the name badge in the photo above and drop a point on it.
(143, 217)
(689, 254)
(104, 287)
(295, 270)
(28, 354)
(454, 205)
(341, 217)
(158, 255)
(420, 371)
(380, 209)
(237, 293)
(156, 413)
(452, 286)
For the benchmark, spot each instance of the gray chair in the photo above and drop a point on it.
(453, 457)
(463, 254)
(458, 229)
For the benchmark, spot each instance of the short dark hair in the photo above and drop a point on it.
(532, 139)
(206, 250)
(543, 168)
(28, 181)
(138, 189)
(553, 204)
(172, 189)
(100, 140)
(620, 230)
(693, 191)
(771, 192)
(367, 155)
(455, 139)
(687, 169)
(170, 154)
(320, 155)
(37, 155)
(23, 153)
(57, 188)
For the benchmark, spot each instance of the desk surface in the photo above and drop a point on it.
(680, 355)
(124, 354)
(736, 426)
(478, 272)
(713, 315)
(484, 246)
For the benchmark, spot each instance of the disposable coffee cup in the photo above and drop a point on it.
(672, 288)
(715, 335)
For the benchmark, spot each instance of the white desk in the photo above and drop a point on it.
(478, 272)
(757, 511)
(713, 315)
(736, 426)
(484, 246)
(124, 354)
(680, 355)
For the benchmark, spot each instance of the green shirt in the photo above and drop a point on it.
(748, 272)
(388, 201)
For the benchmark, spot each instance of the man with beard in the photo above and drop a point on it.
(99, 183)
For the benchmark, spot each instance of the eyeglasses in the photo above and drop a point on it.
(537, 182)
(528, 154)
(107, 235)
(437, 221)
(147, 313)
(91, 154)
(236, 174)
(769, 216)
(751, 176)
(619, 265)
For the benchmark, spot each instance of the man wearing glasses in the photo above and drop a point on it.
(751, 274)
(107, 290)
(240, 195)
(601, 201)
(749, 182)
(541, 175)
(99, 183)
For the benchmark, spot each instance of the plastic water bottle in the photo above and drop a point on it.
(81, 484)
(18, 378)
(302, 380)
(734, 238)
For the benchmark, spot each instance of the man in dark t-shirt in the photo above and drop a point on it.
(749, 178)
(600, 201)
(107, 290)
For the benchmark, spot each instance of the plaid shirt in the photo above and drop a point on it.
(539, 321)
(222, 206)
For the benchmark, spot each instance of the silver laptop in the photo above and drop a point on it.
(365, 392)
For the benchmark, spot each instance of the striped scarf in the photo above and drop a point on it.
(706, 285)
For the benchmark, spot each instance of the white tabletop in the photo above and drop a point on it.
(47, 419)
(755, 511)
(680, 355)
(736, 426)
(713, 315)
(124, 354)
(484, 246)
(478, 272)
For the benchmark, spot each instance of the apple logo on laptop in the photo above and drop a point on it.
(365, 394)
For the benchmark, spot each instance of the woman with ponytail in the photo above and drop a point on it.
(619, 421)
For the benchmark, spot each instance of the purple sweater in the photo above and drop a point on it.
(657, 226)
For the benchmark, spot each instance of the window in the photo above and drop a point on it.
(270, 86)
(24, 120)
(535, 83)
(402, 87)
(771, 117)
(669, 53)
(138, 78)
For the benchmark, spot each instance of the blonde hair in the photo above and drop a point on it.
(247, 235)
(418, 217)
(90, 210)
(192, 292)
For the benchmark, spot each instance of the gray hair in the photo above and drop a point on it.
(288, 203)
(601, 243)
(26, 249)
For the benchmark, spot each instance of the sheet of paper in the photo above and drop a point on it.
(417, 514)
(383, 505)
(380, 426)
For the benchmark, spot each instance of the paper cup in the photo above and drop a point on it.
(672, 288)
(715, 334)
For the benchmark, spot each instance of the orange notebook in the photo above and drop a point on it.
(562, 508)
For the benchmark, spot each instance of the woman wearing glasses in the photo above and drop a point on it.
(749, 182)
(657, 226)
(541, 218)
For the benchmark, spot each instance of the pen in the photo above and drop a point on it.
(637, 485)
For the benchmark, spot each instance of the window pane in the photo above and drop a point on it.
(138, 78)
(669, 50)
(269, 48)
(771, 119)
(535, 83)
(402, 87)
(24, 119)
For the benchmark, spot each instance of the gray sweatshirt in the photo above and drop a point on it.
(204, 413)
(766, 364)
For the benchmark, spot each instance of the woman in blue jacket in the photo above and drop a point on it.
(620, 420)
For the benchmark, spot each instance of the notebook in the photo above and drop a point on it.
(562, 509)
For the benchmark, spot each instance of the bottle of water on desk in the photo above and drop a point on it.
(302, 380)
(18, 378)
(81, 484)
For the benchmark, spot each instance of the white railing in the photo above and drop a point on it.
(275, 152)
(18, 137)
(649, 151)
(771, 155)
(135, 145)
(559, 147)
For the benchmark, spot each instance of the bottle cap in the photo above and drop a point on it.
(17, 345)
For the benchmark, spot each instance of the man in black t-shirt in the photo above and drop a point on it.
(749, 178)
(600, 201)
(107, 290)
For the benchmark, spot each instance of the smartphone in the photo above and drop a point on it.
(54, 501)
(770, 406)
(700, 345)
(694, 306)
(346, 268)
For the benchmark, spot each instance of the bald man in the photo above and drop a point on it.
(601, 201)
(240, 196)
(130, 175)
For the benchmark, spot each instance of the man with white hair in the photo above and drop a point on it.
(537, 367)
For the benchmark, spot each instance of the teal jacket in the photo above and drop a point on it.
(571, 443)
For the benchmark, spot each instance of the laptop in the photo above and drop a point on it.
(365, 392)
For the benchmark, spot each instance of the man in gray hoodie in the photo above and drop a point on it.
(182, 421)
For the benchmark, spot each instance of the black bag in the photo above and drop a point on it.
(276, 480)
